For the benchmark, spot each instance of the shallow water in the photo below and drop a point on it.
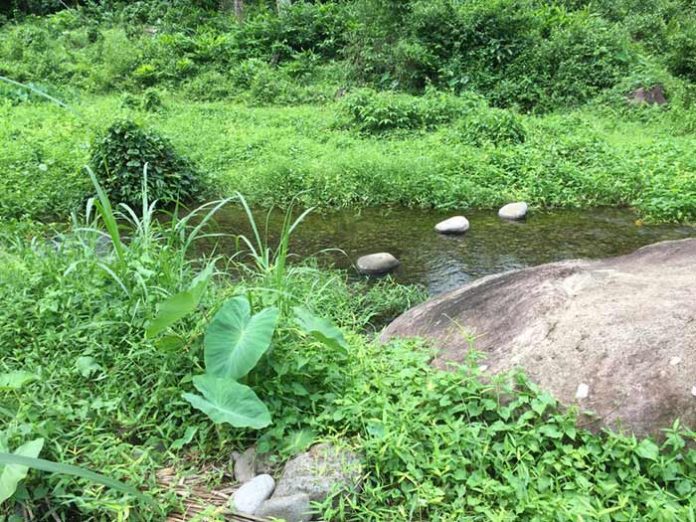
(442, 263)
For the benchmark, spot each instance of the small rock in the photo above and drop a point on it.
(376, 264)
(245, 465)
(674, 361)
(513, 211)
(654, 95)
(249, 497)
(583, 391)
(320, 472)
(293, 508)
(693, 391)
(453, 225)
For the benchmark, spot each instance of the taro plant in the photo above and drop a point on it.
(234, 343)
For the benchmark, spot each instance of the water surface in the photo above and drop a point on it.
(442, 263)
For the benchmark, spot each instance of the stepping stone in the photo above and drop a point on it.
(453, 225)
(377, 264)
(513, 211)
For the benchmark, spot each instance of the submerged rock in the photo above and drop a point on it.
(604, 334)
(321, 471)
(249, 497)
(453, 225)
(377, 264)
(293, 508)
(513, 211)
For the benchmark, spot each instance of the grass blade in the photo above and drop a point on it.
(68, 469)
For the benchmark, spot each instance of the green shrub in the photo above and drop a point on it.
(119, 158)
(496, 126)
(373, 112)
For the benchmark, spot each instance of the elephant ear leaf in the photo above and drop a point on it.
(12, 474)
(227, 401)
(236, 340)
(321, 329)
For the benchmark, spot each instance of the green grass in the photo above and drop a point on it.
(579, 159)
(437, 445)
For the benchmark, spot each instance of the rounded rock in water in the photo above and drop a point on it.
(514, 211)
(377, 264)
(453, 225)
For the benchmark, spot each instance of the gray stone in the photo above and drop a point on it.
(377, 264)
(513, 210)
(654, 95)
(245, 465)
(453, 225)
(249, 497)
(293, 508)
(613, 324)
(321, 471)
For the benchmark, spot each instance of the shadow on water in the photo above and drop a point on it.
(442, 263)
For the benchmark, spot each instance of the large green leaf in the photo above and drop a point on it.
(321, 329)
(225, 400)
(12, 474)
(236, 340)
(15, 380)
(180, 305)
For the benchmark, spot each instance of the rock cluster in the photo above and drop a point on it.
(384, 262)
(313, 476)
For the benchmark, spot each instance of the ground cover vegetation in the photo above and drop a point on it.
(114, 332)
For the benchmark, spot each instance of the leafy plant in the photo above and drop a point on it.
(11, 474)
(234, 343)
(120, 155)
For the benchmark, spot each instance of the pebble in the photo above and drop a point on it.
(583, 391)
(693, 391)
(674, 361)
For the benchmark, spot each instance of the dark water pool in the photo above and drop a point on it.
(442, 263)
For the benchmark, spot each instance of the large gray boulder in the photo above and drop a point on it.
(616, 337)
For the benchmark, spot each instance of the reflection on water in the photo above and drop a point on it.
(442, 263)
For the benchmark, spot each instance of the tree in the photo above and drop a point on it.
(233, 5)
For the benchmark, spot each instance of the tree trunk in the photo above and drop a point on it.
(283, 4)
(233, 5)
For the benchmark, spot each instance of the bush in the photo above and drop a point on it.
(495, 126)
(374, 112)
(119, 157)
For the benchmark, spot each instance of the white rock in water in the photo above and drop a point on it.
(453, 225)
(249, 497)
(376, 264)
(583, 391)
(674, 361)
(513, 210)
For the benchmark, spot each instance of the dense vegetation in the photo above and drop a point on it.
(430, 103)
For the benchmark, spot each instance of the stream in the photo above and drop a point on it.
(442, 263)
